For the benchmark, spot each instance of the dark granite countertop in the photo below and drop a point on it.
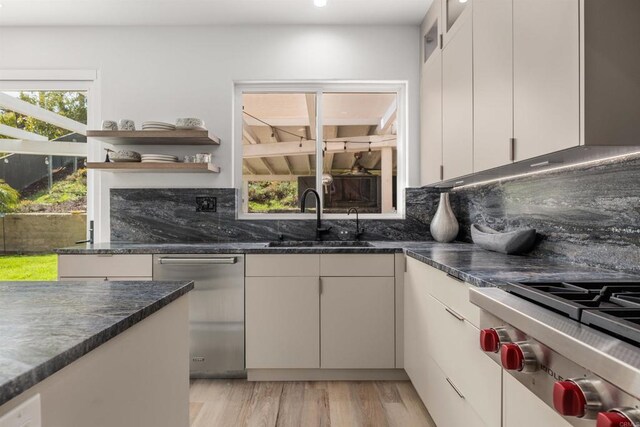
(44, 326)
(465, 261)
(118, 248)
(484, 268)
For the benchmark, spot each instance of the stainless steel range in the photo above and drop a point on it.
(574, 345)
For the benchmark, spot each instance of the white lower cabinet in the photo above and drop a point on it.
(321, 320)
(105, 266)
(522, 408)
(357, 326)
(282, 322)
(442, 357)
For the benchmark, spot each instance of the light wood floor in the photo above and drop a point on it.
(221, 403)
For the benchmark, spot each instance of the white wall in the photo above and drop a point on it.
(160, 73)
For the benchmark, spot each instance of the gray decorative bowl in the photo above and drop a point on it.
(511, 242)
(124, 156)
(190, 123)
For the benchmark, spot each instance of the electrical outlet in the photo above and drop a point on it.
(206, 204)
(25, 415)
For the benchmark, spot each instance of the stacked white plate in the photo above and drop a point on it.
(151, 125)
(158, 158)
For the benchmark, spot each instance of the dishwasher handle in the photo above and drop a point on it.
(197, 261)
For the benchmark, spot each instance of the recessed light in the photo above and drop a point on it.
(462, 1)
(320, 3)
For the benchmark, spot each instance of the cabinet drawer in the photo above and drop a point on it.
(358, 265)
(451, 292)
(440, 396)
(453, 345)
(283, 265)
(105, 265)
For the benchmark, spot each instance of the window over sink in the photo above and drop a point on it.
(345, 140)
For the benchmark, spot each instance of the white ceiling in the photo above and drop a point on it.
(208, 12)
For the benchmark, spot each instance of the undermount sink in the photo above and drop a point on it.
(314, 243)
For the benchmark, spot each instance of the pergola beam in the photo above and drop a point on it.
(267, 165)
(249, 134)
(304, 121)
(12, 132)
(258, 178)
(330, 132)
(248, 167)
(386, 122)
(309, 147)
(23, 107)
(312, 113)
(49, 148)
(386, 173)
(370, 161)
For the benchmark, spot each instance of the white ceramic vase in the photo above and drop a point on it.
(444, 225)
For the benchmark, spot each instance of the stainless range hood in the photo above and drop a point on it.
(564, 159)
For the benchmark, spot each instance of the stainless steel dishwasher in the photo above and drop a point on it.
(216, 310)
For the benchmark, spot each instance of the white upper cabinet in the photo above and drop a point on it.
(492, 83)
(457, 100)
(518, 79)
(431, 100)
(546, 76)
(452, 15)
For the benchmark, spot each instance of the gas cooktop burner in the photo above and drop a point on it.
(613, 307)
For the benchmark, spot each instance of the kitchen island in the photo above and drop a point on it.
(96, 353)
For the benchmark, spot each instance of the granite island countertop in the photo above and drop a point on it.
(45, 326)
(465, 261)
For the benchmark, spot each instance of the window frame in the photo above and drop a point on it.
(318, 87)
(69, 80)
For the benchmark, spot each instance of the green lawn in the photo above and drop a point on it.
(28, 267)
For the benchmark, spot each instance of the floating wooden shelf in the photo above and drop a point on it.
(155, 167)
(155, 137)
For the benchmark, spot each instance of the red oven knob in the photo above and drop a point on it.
(568, 399)
(624, 417)
(512, 357)
(613, 419)
(489, 340)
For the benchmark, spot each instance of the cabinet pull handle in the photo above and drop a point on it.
(454, 314)
(441, 172)
(441, 41)
(455, 388)
(196, 261)
(320, 285)
(512, 149)
(457, 279)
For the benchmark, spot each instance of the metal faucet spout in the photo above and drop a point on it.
(303, 201)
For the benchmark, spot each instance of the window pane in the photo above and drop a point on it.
(359, 165)
(46, 183)
(279, 151)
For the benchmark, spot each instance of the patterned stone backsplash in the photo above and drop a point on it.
(169, 216)
(587, 215)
